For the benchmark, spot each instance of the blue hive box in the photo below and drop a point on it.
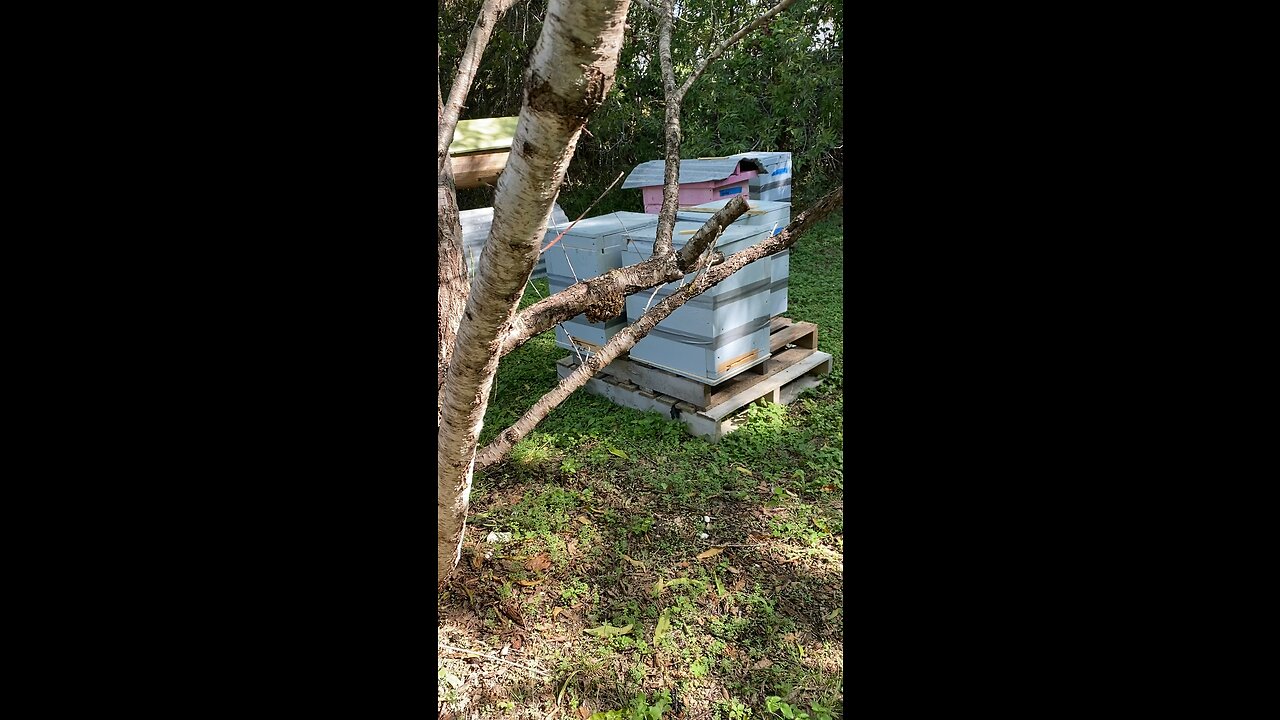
(773, 216)
(718, 334)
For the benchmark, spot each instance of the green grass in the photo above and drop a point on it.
(596, 482)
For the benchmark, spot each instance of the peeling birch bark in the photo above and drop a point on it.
(570, 72)
(451, 272)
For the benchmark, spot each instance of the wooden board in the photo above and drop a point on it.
(798, 370)
(478, 169)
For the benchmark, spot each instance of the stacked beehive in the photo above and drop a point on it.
(700, 180)
(773, 182)
(769, 216)
(721, 332)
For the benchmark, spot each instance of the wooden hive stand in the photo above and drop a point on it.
(795, 365)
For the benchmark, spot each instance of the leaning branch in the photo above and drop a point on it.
(629, 336)
(671, 121)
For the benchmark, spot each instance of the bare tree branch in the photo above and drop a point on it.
(629, 336)
(671, 136)
(605, 289)
(734, 38)
(467, 66)
(674, 100)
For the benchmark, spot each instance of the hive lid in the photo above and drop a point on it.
(480, 220)
(483, 134)
(684, 231)
(767, 157)
(607, 224)
(691, 171)
(754, 207)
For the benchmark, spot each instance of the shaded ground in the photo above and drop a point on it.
(605, 506)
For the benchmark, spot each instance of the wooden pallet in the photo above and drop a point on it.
(795, 366)
(783, 333)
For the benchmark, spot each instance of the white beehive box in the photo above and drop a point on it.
(475, 231)
(589, 249)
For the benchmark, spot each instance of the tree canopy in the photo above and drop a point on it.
(779, 89)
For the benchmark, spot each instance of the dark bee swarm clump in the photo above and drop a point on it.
(608, 306)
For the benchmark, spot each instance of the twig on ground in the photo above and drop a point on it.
(495, 657)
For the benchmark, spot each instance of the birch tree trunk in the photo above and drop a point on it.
(572, 68)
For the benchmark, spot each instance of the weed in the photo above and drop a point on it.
(572, 590)
(775, 705)
(639, 709)
(735, 709)
(700, 667)
(640, 525)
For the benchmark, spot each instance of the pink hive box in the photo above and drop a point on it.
(696, 193)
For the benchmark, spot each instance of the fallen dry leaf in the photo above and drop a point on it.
(709, 553)
(516, 642)
(742, 582)
(530, 583)
(477, 560)
(541, 561)
(584, 712)
(762, 664)
(556, 612)
(637, 563)
(734, 570)
(583, 519)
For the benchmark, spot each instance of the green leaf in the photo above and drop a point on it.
(698, 585)
(619, 453)
(608, 631)
(664, 624)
